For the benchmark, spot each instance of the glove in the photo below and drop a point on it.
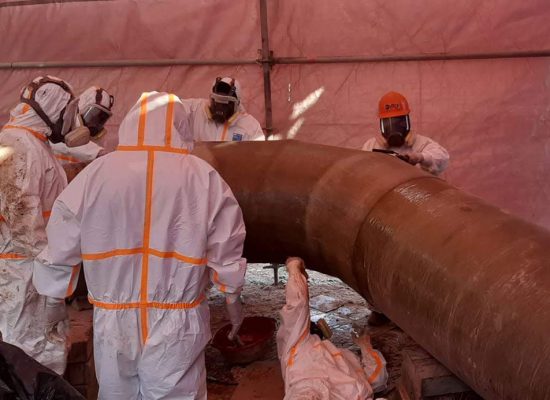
(414, 158)
(295, 265)
(234, 308)
(56, 318)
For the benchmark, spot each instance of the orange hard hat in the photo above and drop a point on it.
(393, 104)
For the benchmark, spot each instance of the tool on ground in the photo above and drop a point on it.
(323, 327)
(275, 268)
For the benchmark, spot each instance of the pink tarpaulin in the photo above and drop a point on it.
(492, 114)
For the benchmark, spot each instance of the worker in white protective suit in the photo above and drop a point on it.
(315, 369)
(396, 136)
(153, 225)
(222, 117)
(95, 107)
(30, 181)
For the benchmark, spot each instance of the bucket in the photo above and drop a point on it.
(256, 336)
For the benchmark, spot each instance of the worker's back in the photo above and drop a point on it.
(143, 213)
(144, 224)
(30, 181)
(144, 227)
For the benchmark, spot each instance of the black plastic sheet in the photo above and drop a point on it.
(23, 378)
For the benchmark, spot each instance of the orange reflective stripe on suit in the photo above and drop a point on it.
(12, 256)
(70, 159)
(146, 242)
(36, 134)
(149, 304)
(295, 347)
(140, 250)
(217, 281)
(378, 368)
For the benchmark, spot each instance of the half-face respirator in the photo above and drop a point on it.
(74, 127)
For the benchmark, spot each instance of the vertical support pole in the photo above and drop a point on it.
(266, 66)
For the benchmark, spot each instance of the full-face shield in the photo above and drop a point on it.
(395, 130)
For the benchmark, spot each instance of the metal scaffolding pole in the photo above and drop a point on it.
(409, 58)
(121, 63)
(266, 62)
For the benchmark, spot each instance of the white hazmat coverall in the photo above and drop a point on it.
(436, 158)
(71, 155)
(315, 369)
(152, 225)
(240, 127)
(30, 181)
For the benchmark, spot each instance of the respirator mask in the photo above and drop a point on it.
(78, 128)
(395, 130)
(73, 131)
(94, 118)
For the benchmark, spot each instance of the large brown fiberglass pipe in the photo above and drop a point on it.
(468, 282)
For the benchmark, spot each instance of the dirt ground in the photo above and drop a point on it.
(341, 307)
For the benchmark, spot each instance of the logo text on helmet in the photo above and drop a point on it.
(393, 107)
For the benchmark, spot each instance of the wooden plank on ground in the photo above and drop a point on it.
(423, 378)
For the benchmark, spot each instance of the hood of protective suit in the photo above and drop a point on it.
(51, 98)
(89, 97)
(141, 126)
(228, 80)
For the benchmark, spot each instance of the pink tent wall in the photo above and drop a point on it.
(492, 114)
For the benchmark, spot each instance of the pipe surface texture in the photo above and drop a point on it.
(467, 281)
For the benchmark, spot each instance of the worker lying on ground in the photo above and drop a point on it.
(316, 369)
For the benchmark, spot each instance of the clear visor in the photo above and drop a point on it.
(222, 99)
(95, 117)
(395, 125)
